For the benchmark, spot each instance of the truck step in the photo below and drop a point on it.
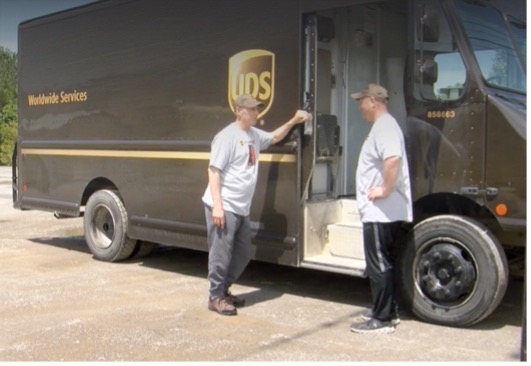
(346, 240)
(349, 211)
(330, 263)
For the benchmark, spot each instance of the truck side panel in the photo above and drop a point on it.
(129, 94)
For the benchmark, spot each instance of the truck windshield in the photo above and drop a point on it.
(518, 29)
(500, 57)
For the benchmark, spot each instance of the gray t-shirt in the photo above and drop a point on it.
(235, 153)
(385, 140)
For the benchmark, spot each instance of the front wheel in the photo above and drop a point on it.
(105, 225)
(453, 271)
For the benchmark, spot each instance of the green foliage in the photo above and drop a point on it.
(8, 114)
(8, 137)
(8, 104)
(8, 132)
(8, 77)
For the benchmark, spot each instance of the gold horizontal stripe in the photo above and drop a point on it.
(183, 155)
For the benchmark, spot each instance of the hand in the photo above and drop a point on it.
(218, 216)
(377, 192)
(301, 116)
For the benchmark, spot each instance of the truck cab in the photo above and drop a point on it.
(455, 72)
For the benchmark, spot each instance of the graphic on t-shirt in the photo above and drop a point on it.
(252, 156)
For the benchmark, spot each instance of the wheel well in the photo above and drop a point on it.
(454, 204)
(95, 185)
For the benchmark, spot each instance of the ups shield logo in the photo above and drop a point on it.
(252, 72)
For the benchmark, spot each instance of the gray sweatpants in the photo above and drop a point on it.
(229, 251)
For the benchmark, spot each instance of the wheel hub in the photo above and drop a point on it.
(103, 226)
(445, 273)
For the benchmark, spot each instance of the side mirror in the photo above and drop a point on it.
(426, 75)
(429, 71)
(427, 24)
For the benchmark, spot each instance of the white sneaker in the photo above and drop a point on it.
(395, 320)
(373, 326)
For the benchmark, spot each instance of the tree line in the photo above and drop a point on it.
(8, 104)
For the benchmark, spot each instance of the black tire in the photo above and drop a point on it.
(105, 225)
(142, 249)
(453, 271)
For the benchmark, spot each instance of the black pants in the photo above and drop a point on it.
(379, 242)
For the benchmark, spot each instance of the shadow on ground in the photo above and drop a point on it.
(272, 281)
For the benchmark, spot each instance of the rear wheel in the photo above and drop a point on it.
(105, 224)
(453, 271)
(142, 249)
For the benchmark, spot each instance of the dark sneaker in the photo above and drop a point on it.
(373, 326)
(395, 320)
(222, 306)
(235, 300)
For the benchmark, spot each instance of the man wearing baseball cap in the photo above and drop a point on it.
(232, 174)
(383, 195)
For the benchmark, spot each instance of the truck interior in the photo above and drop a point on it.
(346, 48)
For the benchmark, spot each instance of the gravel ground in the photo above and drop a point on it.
(59, 304)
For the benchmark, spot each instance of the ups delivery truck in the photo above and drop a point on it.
(119, 101)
